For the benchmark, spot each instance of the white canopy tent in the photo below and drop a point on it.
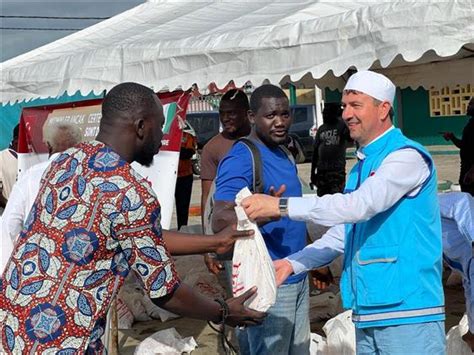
(166, 45)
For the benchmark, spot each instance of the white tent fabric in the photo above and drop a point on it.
(166, 45)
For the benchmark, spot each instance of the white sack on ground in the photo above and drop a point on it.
(139, 304)
(340, 332)
(251, 264)
(454, 343)
(124, 315)
(194, 273)
(318, 345)
(167, 341)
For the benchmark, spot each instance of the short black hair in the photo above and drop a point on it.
(236, 96)
(267, 90)
(126, 100)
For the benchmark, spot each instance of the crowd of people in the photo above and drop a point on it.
(80, 222)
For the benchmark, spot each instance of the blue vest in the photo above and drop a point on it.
(393, 262)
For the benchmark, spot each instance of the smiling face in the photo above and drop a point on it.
(233, 118)
(272, 120)
(365, 118)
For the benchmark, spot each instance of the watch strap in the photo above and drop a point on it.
(283, 206)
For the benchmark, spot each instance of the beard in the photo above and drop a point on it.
(145, 157)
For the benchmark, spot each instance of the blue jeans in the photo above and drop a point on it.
(419, 339)
(286, 328)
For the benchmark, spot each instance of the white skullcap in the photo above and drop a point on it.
(373, 84)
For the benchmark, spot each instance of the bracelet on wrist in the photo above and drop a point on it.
(224, 309)
(226, 344)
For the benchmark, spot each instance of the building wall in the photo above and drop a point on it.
(417, 123)
(332, 95)
(303, 96)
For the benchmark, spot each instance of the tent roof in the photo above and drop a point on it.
(166, 45)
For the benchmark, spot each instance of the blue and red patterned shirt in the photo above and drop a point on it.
(94, 220)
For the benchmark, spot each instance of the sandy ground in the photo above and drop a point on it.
(447, 163)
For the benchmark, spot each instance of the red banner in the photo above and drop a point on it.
(87, 114)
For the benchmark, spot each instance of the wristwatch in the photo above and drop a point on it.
(283, 207)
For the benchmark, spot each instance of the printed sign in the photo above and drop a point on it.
(87, 115)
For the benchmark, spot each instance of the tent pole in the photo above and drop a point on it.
(318, 105)
(293, 99)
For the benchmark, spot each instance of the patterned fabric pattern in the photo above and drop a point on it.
(94, 220)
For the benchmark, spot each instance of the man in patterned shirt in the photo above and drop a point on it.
(94, 220)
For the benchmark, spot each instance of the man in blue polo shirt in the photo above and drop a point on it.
(286, 329)
(390, 222)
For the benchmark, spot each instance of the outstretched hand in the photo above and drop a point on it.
(322, 278)
(278, 193)
(281, 190)
(228, 236)
(283, 269)
(259, 206)
(239, 315)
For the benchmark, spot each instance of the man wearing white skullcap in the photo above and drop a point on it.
(388, 217)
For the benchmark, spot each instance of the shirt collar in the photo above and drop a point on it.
(53, 156)
(360, 154)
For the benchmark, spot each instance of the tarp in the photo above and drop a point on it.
(166, 45)
(86, 115)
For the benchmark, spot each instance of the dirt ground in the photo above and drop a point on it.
(447, 163)
(208, 340)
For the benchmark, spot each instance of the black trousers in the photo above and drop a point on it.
(182, 196)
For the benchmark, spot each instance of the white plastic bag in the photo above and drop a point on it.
(318, 345)
(139, 304)
(454, 343)
(124, 315)
(251, 264)
(340, 332)
(167, 341)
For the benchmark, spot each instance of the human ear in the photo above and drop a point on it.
(140, 128)
(251, 116)
(384, 110)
